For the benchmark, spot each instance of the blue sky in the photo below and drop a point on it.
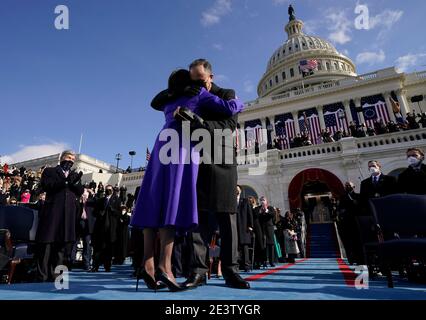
(99, 76)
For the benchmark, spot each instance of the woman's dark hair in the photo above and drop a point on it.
(178, 81)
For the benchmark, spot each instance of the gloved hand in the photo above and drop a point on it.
(184, 114)
(75, 177)
(192, 91)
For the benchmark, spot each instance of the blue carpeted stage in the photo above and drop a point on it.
(310, 279)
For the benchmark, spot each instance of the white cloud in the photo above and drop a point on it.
(410, 60)
(34, 151)
(371, 58)
(339, 26)
(310, 27)
(218, 46)
(248, 86)
(345, 52)
(280, 1)
(213, 15)
(220, 78)
(385, 21)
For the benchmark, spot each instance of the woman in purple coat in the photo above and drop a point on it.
(167, 200)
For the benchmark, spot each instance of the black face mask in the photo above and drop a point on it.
(66, 165)
(108, 192)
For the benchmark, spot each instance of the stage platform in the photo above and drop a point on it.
(307, 279)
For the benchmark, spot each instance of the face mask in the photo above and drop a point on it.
(374, 170)
(413, 161)
(124, 212)
(66, 165)
(108, 192)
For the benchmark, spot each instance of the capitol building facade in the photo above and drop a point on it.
(291, 101)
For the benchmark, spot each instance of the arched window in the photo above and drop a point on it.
(327, 65)
(284, 75)
(276, 79)
(292, 72)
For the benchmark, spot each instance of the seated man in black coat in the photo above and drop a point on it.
(413, 179)
(378, 185)
(57, 219)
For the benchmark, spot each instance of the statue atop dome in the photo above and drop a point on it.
(291, 13)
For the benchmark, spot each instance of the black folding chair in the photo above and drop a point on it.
(401, 228)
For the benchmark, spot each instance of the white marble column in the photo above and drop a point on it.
(403, 103)
(387, 97)
(320, 111)
(296, 121)
(348, 112)
(242, 135)
(264, 131)
(272, 122)
(360, 114)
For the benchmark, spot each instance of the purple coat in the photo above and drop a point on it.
(168, 194)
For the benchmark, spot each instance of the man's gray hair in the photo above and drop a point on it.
(67, 153)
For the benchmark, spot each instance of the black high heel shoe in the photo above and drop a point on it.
(149, 281)
(164, 279)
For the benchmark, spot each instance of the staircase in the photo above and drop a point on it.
(323, 241)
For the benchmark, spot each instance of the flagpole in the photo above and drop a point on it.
(81, 142)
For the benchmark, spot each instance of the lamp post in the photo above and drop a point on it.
(131, 154)
(118, 158)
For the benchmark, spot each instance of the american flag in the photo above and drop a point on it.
(308, 65)
(148, 155)
(285, 129)
(334, 123)
(375, 112)
(311, 125)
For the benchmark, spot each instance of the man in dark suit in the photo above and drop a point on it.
(413, 179)
(348, 209)
(266, 218)
(245, 229)
(107, 212)
(216, 187)
(57, 219)
(86, 222)
(378, 185)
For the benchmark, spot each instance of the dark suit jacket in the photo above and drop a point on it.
(90, 221)
(107, 215)
(267, 223)
(57, 219)
(216, 183)
(386, 186)
(412, 181)
(244, 221)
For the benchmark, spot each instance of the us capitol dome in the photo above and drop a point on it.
(282, 71)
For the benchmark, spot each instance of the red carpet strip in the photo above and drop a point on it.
(272, 271)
